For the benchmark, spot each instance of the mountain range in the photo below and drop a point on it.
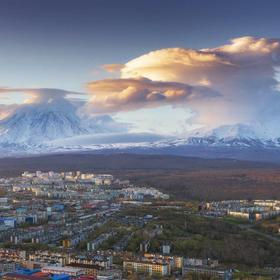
(53, 128)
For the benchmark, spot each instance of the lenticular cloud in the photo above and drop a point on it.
(242, 74)
(113, 95)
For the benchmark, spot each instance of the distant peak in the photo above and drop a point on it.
(235, 131)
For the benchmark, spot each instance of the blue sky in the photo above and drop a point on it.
(63, 44)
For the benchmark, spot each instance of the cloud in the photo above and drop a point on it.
(104, 124)
(57, 99)
(113, 95)
(232, 83)
(40, 95)
(243, 72)
(249, 46)
(94, 140)
(66, 102)
(194, 66)
(112, 68)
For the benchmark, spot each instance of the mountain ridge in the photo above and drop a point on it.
(55, 127)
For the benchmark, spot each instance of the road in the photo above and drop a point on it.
(266, 235)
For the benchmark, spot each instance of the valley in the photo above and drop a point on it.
(182, 177)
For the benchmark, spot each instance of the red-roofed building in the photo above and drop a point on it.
(16, 276)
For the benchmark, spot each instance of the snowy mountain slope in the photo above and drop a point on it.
(38, 124)
(55, 127)
(234, 131)
(238, 135)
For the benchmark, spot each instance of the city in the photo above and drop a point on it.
(139, 139)
(96, 226)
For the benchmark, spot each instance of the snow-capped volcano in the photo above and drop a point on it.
(39, 123)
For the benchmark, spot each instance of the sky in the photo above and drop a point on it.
(162, 66)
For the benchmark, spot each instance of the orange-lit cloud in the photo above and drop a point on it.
(113, 95)
(179, 65)
(231, 83)
(243, 73)
(212, 65)
(249, 45)
(39, 95)
(112, 68)
(33, 96)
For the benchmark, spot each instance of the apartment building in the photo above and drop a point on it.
(152, 268)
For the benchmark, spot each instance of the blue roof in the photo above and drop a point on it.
(58, 207)
(7, 219)
(21, 208)
(60, 277)
(26, 271)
